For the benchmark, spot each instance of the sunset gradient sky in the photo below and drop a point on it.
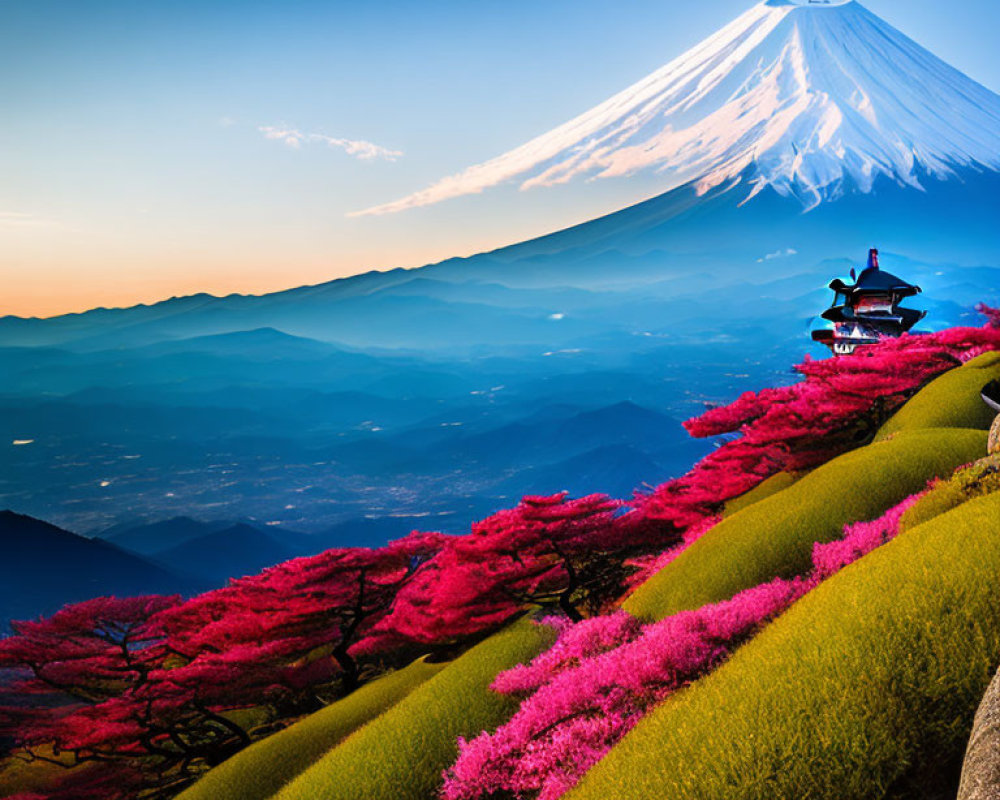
(163, 148)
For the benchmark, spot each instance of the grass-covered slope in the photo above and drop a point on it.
(400, 755)
(263, 768)
(773, 485)
(866, 688)
(949, 401)
(774, 536)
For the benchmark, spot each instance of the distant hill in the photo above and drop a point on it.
(368, 531)
(149, 539)
(232, 552)
(44, 567)
(527, 441)
(615, 470)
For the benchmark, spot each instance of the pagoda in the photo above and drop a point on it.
(868, 309)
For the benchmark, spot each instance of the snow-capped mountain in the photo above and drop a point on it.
(811, 98)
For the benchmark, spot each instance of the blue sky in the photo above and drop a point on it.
(133, 165)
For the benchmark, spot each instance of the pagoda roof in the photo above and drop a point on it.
(875, 281)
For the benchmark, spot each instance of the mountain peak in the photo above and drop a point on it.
(808, 97)
(815, 4)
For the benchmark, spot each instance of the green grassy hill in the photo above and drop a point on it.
(400, 755)
(866, 688)
(262, 769)
(774, 536)
(773, 485)
(949, 401)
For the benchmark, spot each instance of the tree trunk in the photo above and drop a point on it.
(981, 772)
(568, 608)
(351, 676)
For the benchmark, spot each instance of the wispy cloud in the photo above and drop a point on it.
(366, 151)
(473, 180)
(788, 251)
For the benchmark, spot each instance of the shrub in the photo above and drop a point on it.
(974, 480)
(150, 690)
(840, 404)
(604, 674)
(554, 551)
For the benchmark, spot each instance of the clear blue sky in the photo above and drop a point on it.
(133, 165)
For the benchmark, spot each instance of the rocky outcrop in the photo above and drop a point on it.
(981, 772)
(994, 446)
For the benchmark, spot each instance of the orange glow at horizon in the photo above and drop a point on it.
(43, 295)
(44, 287)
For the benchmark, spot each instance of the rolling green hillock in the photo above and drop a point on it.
(866, 688)
(774, 536)
(949, 401)
(773, 485)
(400, 755)
(263, 768)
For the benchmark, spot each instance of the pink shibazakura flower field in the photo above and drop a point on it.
(603, 674)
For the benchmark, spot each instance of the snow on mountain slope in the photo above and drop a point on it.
(811, 95)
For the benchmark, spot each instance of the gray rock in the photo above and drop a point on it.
(994, 446)
(981, 772)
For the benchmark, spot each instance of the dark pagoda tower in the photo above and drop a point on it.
(868, 310)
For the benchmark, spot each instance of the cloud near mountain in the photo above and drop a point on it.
(358, 148)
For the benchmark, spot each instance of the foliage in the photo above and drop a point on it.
(602, 675)
(865, 688)
(400, 755)
(840, 403)
(149, 688)
(570, 554)
(139, 696)
(279, 642)
(647, 566)
(263, 768)
(971, 481)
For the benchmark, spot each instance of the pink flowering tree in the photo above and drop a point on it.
(568, 554)
(300, 621)
(839, 404)
(146, 687)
